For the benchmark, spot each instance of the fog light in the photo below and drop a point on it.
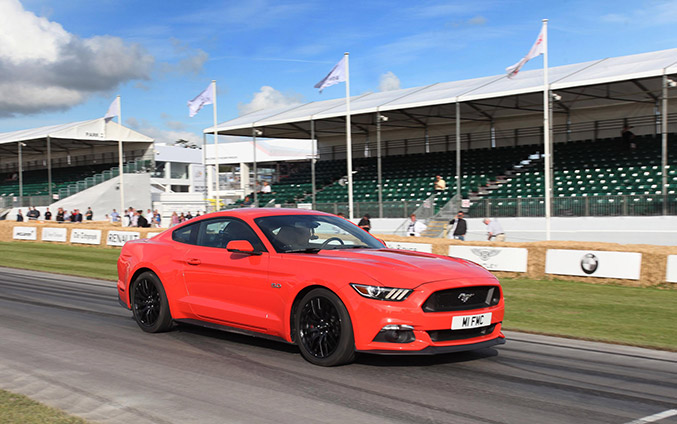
(393, 333)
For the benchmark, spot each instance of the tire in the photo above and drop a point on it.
(149, 304)
(323, 329)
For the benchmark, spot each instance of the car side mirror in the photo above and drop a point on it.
(242, 246)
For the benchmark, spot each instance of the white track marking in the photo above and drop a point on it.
(655, 417)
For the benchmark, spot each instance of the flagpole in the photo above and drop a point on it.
(349, 145)
(216, 152)
(546, 132)
(121, 162)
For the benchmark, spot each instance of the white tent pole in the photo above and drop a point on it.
(21, 176)
(664, 144)
(349, 145)
(312, 160)
(120, 159)
(458, 148)
(49, 167)
(546, 131)
(204, 172)
(216, 153)
(256, 196)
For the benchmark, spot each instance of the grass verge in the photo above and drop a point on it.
(615, 314)
(18, 409)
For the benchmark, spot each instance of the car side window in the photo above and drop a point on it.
(219, 232)
(185, 234)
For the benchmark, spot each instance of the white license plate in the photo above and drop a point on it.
(470, 321)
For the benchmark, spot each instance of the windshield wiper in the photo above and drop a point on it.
(306, 250)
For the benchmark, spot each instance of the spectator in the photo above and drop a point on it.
(494, 230)
(182, 218)
(149, 216)
(76, 216)
(266, 187)
(141, 220)
(365, 222)
(48, 215)
(20, 216)
(32, 213)
(414, 227)
(60, 215)
(341, 215)
(134, 217)
(175, 219)
(628, 138)
(459, 227)
(188, 216)
(89, 214)
(247, 201)
(157, 219)
(440, 185)
(115, 216)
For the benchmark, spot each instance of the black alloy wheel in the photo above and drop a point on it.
(324, 331)
(149, 304)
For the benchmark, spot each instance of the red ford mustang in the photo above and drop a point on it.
(309, 278)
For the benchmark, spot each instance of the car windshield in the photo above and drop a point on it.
(312, 233)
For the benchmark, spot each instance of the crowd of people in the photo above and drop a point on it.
(62, 215)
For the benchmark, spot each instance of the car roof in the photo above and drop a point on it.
(252, 213)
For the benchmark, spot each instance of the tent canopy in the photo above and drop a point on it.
(634, 78)
(73, 136)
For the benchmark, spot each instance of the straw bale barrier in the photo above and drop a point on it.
(653, 262)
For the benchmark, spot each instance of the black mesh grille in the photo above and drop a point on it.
(452, 300)
(448, 335)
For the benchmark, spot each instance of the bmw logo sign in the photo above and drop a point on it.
(589, 263)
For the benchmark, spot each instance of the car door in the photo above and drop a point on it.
(230, 287)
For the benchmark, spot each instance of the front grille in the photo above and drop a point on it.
(448, 335)
(452, 300)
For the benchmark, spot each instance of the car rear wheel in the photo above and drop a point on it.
(149, 304)
(324, 332)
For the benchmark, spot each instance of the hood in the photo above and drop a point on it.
(403, 268)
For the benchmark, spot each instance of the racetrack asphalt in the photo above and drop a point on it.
(66, 342)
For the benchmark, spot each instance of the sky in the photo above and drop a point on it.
(65, 60)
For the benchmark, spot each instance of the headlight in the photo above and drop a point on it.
(382, 293)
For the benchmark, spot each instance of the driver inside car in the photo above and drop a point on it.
(294, 237)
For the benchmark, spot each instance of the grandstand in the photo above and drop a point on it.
(497, 125)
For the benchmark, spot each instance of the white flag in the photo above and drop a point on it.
(204, 98)
(335, 76)
(536, 49)
(113, 109)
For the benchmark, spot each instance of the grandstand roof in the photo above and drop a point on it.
(93, 130)
(634, 78)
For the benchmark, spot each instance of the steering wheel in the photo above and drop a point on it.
(326, 242)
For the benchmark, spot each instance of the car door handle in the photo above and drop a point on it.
(194, 261)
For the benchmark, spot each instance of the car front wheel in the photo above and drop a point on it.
(324, 332)
(149, 304)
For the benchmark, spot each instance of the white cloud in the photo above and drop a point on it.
(161, 135)
(388, 82)
(44, 67)
(268, 98)
(191, 60)
(662, 12)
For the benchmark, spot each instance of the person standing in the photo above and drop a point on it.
(141, 220)
(115, 216)
(89, 214)
(175, 219)
(415, 227)
(77, 216)
(48, 215)
(19, 216)
(440, 185)
(60, 215)
(459, 227)
(494, 230)
(365, 222)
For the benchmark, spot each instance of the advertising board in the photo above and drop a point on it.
(593, 263)
(25, 233)
(511, 259)
(85, 236)
(119, 238)
(54, 234)
(416, 247)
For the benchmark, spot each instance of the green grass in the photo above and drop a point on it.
(609, 313)
(18, 409)
(85, 261)
(638, 316)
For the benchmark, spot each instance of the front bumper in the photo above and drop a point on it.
(369, 316)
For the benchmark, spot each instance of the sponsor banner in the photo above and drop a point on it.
(671, 272)
(511, 259)
(416, 247)
(151, 235)
(119, 238)
(85, 236)
(25, 233)
(593, 263)
(54, 234)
